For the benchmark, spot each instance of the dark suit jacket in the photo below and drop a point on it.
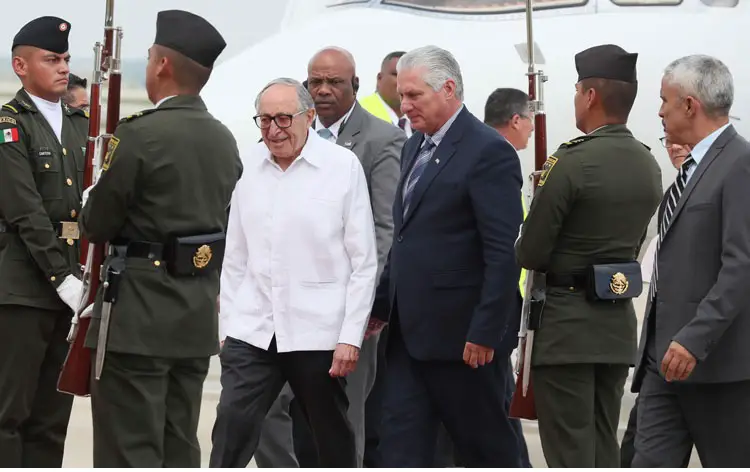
(703, 298)
(451, 275)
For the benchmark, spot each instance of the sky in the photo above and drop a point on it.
(241, 22)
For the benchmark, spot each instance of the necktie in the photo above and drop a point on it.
(402, 122)
(416, 172)
(673, 196)
(325, 133)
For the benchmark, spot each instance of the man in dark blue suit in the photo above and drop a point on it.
(449, 288)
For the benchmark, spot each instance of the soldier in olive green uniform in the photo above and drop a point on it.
(596, 196)
(41, 173)
(161, 201)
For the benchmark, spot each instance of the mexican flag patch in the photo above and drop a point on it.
(9, 136)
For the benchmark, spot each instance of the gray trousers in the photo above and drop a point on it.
(672, 417)
(276, 447)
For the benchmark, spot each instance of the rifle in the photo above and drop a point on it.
(522, 405)
(75, 377)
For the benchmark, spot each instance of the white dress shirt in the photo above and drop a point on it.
(335, 128)
(301, 259)
(51, 111)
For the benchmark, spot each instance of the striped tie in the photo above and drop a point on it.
(416, 172)
(672, 196)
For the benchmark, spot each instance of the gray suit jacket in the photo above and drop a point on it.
(703, 298)
(378, 145)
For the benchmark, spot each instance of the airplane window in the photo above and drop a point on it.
(645, 2)
(479, 6)
(336, 3)
(721, 3)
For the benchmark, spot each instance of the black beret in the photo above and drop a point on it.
(75, 81)
(607, 61)
(190, 35)
(48, 32)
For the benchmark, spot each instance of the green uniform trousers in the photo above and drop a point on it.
(33, 414)
(578, 406)
(146, 411)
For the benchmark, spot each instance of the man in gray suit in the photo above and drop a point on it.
(693, 373)
(333, 84)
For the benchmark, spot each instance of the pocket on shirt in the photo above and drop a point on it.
(47, 169)
(319, 304)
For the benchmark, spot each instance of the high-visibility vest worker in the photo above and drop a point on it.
(375, 105)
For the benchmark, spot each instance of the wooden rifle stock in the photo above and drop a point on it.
(522, 404)
(75, 376)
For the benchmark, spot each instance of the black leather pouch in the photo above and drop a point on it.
(614, 281)
(189, 256)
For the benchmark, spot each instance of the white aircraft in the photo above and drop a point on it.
(485, 36)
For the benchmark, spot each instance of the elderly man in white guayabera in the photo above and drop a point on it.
(297, 283)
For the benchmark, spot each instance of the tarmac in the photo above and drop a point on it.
(78, 452)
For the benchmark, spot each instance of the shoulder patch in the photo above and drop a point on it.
(113, 142)
(137, 115)
(577, 141)
(9, 135)
(8, 119)
(546, 169)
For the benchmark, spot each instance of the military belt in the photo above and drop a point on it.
(577, 281)
(139, 249)
(67, 229)
(63, 229)
(185, 256)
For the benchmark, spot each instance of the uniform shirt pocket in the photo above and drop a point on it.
(46, 164)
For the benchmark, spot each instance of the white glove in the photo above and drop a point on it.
(86, 192)
(86, 313)
(70, 292)
(85, 196)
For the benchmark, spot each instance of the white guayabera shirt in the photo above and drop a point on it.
(301, 259)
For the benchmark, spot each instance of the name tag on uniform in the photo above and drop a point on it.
(44, 152)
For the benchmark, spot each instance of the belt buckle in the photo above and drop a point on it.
(69, 230)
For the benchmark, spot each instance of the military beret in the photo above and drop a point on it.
(48, 32)
(190, 35)
(75, 81)
(606, 61)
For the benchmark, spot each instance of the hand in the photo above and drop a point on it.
(476, 355)
(678, 363)
(344, 360)
(69, 291)
(374, 327)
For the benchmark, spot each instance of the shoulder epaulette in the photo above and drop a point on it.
(137, 115)
(646, 146)
(12, 106)
(577, 141)
(69, 110)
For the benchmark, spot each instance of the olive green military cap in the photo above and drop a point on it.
(607, 61)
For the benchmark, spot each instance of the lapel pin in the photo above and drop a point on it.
(437, 161)
(348, 144)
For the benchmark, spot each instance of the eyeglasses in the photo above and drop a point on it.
(282, 120)
(663, 141)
